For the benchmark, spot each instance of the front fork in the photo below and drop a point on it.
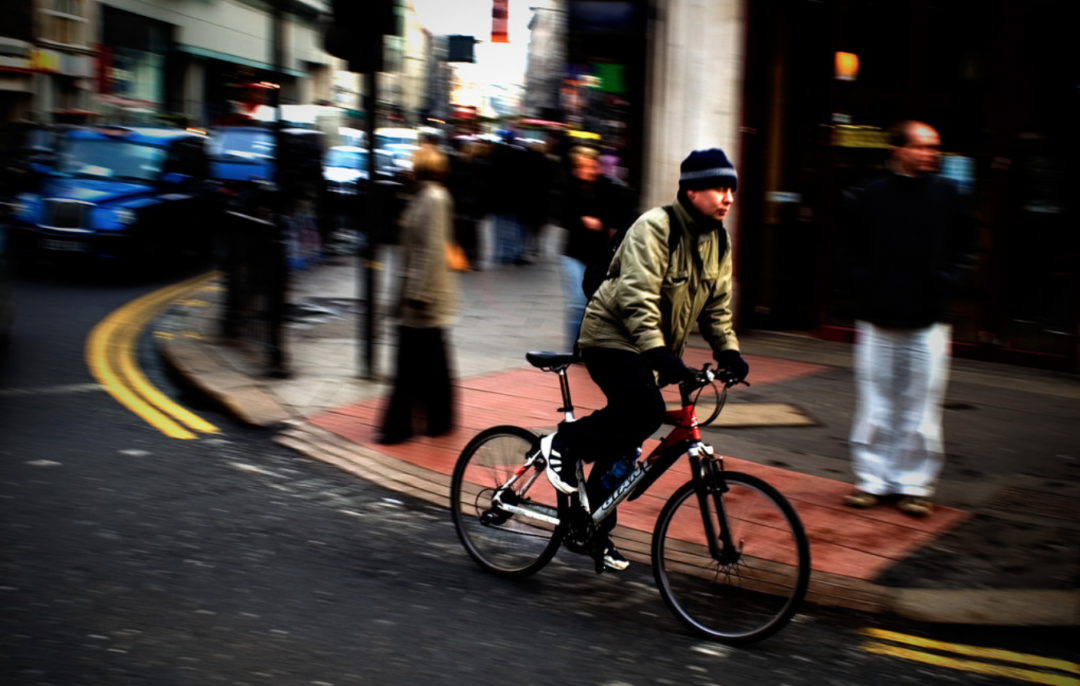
(710, 485)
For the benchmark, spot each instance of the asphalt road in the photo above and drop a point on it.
(127, 557)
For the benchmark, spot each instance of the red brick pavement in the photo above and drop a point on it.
(858, 544)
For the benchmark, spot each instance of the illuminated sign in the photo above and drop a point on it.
(847, 66)
(860, 137)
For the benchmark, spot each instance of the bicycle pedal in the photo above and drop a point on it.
(575, 547)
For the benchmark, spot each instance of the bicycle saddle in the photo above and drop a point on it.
(550, 361)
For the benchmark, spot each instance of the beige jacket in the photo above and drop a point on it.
(654, 302)
(428, 296)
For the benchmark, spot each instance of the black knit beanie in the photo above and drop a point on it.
(707, 169)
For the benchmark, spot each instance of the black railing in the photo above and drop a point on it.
(256, 247)
(253, 261)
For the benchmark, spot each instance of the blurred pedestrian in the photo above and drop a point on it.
(611, 164)
(426, 305)
(912, 242)
(536, 187)
(465, 187)
(504, 192)
(593, 208)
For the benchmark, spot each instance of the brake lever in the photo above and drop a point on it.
(709, 375)
(729, 383)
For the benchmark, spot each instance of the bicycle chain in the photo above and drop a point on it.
(582, 537)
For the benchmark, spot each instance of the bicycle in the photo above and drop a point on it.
(729, 553)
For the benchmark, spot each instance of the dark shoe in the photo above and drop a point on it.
(561, 471)
(613, 559)
(861, 499)
(915, 506)
(391, 439)
(436, 431)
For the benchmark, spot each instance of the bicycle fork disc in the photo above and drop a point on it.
(748, 591)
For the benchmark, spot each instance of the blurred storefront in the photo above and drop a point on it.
(46, 59)
(997, 79)
(16, 77)
(131, 78)
(198, 63)
(604, 85)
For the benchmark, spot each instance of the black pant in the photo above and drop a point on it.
(634, 411)
(465, 235)
(422, 386)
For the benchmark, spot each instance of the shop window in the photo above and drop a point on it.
(64, 22)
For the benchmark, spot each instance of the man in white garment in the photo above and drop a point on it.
(911, 241)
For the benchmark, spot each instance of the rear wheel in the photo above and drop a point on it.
(742, 594)
(500, 541)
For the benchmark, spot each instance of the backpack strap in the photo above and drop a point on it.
(598, 271)
(673, 235)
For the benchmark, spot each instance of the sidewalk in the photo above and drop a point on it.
(1002, 547)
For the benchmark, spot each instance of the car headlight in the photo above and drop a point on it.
(124, 215)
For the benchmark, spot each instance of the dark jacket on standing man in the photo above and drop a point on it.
(911, 244)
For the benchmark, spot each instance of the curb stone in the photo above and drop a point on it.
(233, 392)
(989, 607)
(205, 363)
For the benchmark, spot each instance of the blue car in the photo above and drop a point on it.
(119, 193)
(256, 177)
(246, 154)
(242, 154)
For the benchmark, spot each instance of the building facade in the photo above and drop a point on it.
(547, 60)
(801, 93)
(824, 81)
(202, 60)
(132, 61)
(47, 50)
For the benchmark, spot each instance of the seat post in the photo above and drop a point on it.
(568, 406)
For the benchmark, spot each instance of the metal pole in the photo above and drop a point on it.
(370, 266)
(279, 268)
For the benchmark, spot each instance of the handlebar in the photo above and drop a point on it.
(706, 376)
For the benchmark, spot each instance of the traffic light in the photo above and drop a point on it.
(356, 30)
(460, 49)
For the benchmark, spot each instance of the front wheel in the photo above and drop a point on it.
(744, 593)
(504, 542)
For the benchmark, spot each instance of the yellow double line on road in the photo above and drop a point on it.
(110, 354)
(987, 668)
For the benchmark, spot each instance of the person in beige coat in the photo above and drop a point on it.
(426, 308)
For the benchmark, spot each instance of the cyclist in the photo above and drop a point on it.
(636, 324)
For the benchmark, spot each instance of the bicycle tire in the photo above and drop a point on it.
(748, 600)
(506, 544)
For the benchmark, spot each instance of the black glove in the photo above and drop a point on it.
(669, 365)
(731, 365)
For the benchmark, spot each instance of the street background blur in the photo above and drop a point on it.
(798, 92)
(196, 195)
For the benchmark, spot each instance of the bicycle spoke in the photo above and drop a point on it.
(749, 597)
(501, 540)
